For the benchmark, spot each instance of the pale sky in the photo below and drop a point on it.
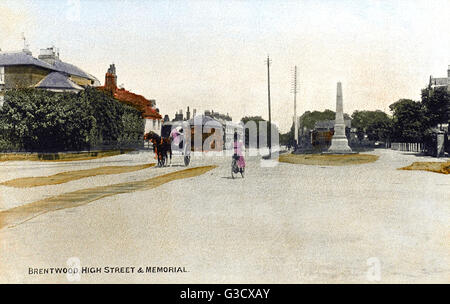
(210, 54)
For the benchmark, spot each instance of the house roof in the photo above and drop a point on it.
(138, 101)
(439, 81)
(22, 58)
(57, 80)
(134, 100)
(202, 120)
(70, 69)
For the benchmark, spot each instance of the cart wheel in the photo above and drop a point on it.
(187, 160)
(233, 168)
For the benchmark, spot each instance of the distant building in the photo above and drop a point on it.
(216, 115)
(207, 127)
(179, 116)
(150, 115)
(230, 129)
(443, 82)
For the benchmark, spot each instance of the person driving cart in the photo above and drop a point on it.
(177, 136)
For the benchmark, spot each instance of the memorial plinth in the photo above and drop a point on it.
(339, 142)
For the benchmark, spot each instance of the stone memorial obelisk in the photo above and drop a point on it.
(339, 142)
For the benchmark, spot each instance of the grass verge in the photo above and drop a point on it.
(68, 176)
(70, 156)
(328, 159)
(437, 167)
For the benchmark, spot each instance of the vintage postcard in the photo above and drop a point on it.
(258, 142)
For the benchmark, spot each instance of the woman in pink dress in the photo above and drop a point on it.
(238, 150)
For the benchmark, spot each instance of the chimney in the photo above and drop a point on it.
(188, 114)
(26, 46)
(194, 112)
(111, 79)
(49, 55)
(448, 71)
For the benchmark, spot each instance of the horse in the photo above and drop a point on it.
(161, 146)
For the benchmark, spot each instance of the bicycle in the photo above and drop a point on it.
(235, 168)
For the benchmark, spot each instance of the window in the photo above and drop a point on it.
(2, 75)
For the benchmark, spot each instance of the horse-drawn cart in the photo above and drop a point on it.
(171, 142)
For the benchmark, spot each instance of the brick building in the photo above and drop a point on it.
(147, 107)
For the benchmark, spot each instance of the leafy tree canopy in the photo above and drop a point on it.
(409, 120)
(437, 105)
(309, 119)
(376, 124)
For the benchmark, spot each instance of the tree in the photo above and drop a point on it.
(377, 125)
(288, 137)
(409, 121)
(309, 119)
(437, 105)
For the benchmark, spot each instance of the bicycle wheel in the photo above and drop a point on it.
(233, 168)
(242, 172)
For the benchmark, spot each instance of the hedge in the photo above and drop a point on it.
(35, 120)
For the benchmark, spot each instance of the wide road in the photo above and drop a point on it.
(282, 223)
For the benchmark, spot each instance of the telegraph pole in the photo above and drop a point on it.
(268, 99)
(294, 90)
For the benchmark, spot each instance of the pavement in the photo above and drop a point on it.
(282, 223)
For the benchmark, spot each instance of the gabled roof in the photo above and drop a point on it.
(22, 58)
(57, 81)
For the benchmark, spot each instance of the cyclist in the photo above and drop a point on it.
(238, 151)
